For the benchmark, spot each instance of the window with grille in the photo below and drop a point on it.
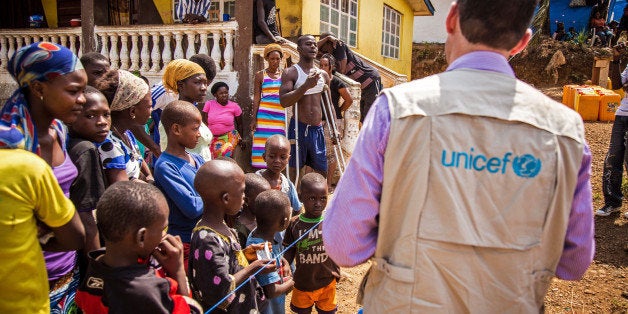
(391, 32)
(340, 17)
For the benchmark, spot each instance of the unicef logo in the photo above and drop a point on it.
(526, 166)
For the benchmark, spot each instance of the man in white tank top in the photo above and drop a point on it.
(301, 85)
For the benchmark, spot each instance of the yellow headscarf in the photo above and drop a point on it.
(178, 70)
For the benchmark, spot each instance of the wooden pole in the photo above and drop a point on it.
(88, 42)
(241, 64)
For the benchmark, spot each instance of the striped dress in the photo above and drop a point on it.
(270, 119)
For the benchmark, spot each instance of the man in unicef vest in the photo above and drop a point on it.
(473, 186)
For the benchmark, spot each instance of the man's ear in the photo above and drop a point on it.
(523, 42)
(452, 19)
(140, 237)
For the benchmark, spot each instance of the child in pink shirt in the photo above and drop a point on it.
(224, 119)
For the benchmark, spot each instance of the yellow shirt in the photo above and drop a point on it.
(28, 191)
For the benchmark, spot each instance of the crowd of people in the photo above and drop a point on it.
(109, 196)
(117, 195)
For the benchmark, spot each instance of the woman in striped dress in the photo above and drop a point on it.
(269, 114)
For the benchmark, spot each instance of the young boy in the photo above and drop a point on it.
(217, 263)
(96, 65)
(175, 170)
(272, 213)
(316, 274)
(91, 126)
(276, 155)
(132, 217)
(245, 223)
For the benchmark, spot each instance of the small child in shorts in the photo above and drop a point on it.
(245, 222)
(132, 217)
(217, 263)
(91, 126)
(276, 155)
(316, 274)
(176, 169)
(272, 213)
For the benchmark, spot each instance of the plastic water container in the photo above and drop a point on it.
(587, 103)
(609, 102)
(568, 95)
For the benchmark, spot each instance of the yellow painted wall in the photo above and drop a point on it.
(165, 10)
(303, 17)
(50, 10)
(291, 16)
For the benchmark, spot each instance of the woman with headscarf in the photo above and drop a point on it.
(130, 104)
(188, 80)
(51, 82)
(268, 116)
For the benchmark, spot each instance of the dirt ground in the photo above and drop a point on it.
(604, 288)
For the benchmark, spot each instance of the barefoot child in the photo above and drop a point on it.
(316, 274)
(176, 168)
(245, 223)
(132, 217)
(276, 155)
(272, 213)
(217, 263)
(91, 126)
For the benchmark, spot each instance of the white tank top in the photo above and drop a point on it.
(301, 80)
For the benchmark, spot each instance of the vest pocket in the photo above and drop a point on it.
(387, 288)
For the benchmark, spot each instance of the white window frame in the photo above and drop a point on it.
(340, 17)
(391, 32)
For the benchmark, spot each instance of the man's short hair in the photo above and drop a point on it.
(207, 63)
(125, 207)
(91, 57)
(179, 112)
(302, 38)
(495, 23)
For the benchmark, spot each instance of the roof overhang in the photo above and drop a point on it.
(421, 7)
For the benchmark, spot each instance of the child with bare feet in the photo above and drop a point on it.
(272, 213)
(276, 155)
(217, 263)
(131, 218)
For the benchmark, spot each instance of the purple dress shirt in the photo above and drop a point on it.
(350, 226)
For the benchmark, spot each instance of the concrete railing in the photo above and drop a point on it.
(13, 39)
(140, 48)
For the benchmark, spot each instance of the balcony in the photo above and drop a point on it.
(140, 48)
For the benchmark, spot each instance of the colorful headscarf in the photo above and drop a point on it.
(41, 61)
(178, 70)
(131, 89)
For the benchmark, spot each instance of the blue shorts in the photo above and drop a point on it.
(312, 150)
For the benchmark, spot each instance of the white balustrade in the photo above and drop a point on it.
(135, 56)
(144, 48)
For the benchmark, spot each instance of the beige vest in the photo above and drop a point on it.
(479, 178)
